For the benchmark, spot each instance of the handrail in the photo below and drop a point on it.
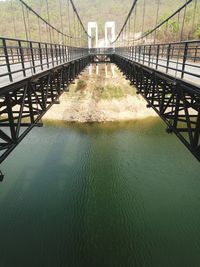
(22, 58)
(180, 59)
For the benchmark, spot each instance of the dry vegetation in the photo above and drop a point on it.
(100, 98)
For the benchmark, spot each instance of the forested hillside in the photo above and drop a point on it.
(11, 19)
(117, 10)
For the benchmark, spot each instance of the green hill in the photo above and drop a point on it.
(89, 10)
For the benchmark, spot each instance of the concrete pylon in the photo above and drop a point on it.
(93, 25)
(111, 25)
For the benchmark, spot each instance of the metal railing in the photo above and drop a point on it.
(181, 60)
(21, 58)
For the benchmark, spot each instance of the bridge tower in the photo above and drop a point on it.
(92, 25)
(109, 41)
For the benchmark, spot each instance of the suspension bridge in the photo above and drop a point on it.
(162, 62)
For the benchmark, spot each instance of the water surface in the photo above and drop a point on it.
(122, 194)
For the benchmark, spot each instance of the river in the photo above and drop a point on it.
(114, 194)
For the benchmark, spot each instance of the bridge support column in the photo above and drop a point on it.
(1, 176)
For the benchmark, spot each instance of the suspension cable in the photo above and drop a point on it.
(51, 27)
(74, 23)
(183, 22)
(166, 20)
(155, 28)
(69, 29)
(28, 22)
(13, 19)
(143, 19)
(135, 22)
(194, 16)
(47, 6)
(27, 39)
(24, 20)
(61, 20)
(129, 29)
(130, 12)
(39, 29)
(75, 10)
(41, 18)
(158, 8)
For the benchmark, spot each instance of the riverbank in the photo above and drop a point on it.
(100, 97)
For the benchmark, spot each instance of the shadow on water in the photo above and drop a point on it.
(108, 127)
(45, 218)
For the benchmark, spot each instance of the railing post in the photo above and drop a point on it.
(69, 53)
(135, 53)
(60, 55)
(7, 60)
(22, 57)
(184, 60)
(32, 56)
(132, 51)
(64, 53)
(163, 48)
(52, 55)
(172, 53)
(40, 54)
(168, 57)
(139, 52)
(149, 55)
(157, 56)
(11, 51)
(56, 50)
(47, 55)
(195, 55)
(144, 51)
(18, 57)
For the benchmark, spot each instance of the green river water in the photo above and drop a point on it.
(115, 194)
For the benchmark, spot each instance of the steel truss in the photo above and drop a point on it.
(101, 59)
(23, 104)
(175, 101)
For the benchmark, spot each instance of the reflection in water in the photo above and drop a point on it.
(120, 194)
(109, 70)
